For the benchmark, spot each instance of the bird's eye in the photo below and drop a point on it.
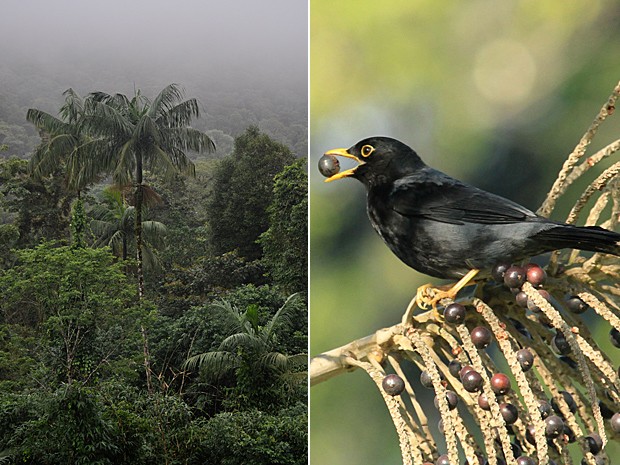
(367, 150)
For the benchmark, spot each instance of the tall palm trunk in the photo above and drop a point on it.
(138, 233)
(138, 224)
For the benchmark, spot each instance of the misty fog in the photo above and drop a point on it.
(233, 56)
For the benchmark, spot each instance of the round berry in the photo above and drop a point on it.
(519, 327)
(615, 423)
(454, 367)
(451, 398)
(530, 434)
(521, 298)
(509, 412)
(525, 359)
(535, 275)
(517, 450)
(576, 305)
(454, 313)
(605, 411)
(594, 443)
(569, 361)
(442, 460)
(393, 385)
(329, 165)
(568, 398)
(544, 408)
(569, 434)
(498, 271)
(472, 381)
(514, 277)
(525, 460)
(483, 402)
(464, 370)
(531, 306)
(481, 337)
(614, 336)
(425, 380)
(561, 344)
(554, 426)
(500, 383)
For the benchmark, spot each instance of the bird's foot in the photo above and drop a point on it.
(427, 296)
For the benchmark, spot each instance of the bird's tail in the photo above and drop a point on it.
(591, 238)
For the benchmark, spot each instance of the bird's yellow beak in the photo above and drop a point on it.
(346, 173)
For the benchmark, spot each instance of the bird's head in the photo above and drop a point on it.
(381, 160)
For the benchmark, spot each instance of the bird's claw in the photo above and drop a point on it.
(427, 298)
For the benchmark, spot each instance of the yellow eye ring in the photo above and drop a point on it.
(367, 150)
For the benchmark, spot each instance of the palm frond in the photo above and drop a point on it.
(181, 161)
(106, 120)
(165, 101)
(187, 138)
(216, 364)
(247, 339)
(281, 317)
(179, 115)
(154, 233)
(161, 161)
(147, 130)
(125, 164)
(73, 108)
(149, 258)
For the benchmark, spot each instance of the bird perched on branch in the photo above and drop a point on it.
(445, 228)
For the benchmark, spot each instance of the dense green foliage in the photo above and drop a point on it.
(242, 192)
(91, 372)
(284, 243)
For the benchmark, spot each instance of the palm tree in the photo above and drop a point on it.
(63, 143)
(113, 225)
(249, 351)
(138, 134)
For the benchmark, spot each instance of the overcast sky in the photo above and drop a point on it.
(262, 40)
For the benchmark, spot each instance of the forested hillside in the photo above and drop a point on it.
(153, 273)
(230, 103)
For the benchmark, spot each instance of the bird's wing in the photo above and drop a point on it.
(434, 195)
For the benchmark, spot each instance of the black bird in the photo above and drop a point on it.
(447, 229)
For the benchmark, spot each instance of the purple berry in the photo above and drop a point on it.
(509, 412)
(481, 337)
(576, 305)
(454, 313)
(514, 277)
(454, 367)
(500, 383)
(525, 359)
(615, 423)
(535, 275)
(451, 398)
(329, 165)
(483, 402)
(594, 443)
(498, 271)
(393, 385)
(472, 381)
(614, 336)
(554, 426)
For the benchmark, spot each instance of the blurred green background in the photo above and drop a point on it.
(496, 93)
